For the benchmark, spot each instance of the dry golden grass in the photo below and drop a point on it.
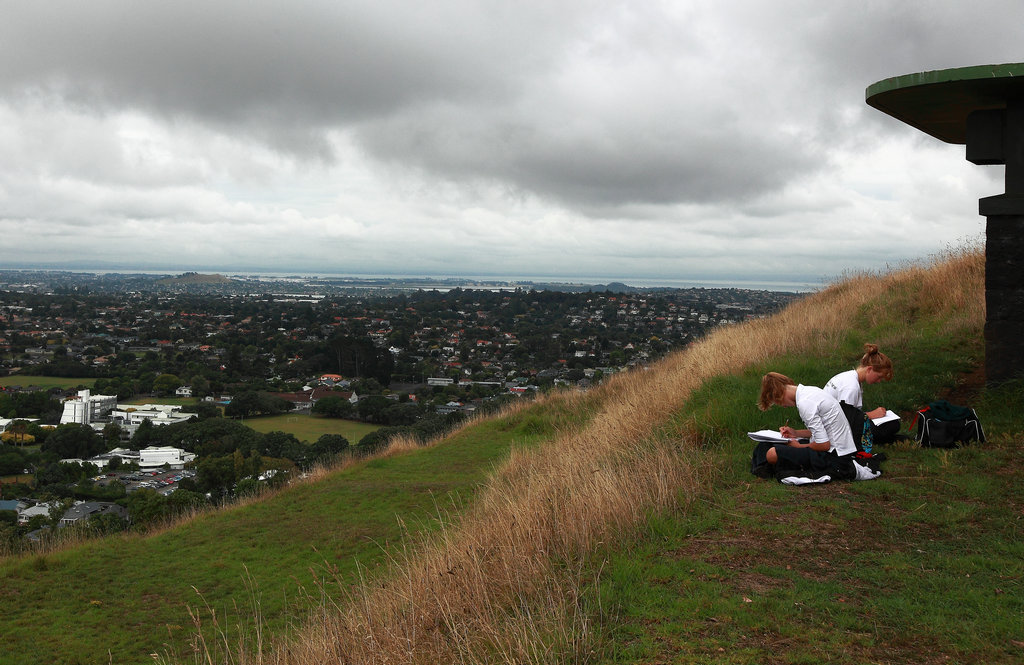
(502, 583)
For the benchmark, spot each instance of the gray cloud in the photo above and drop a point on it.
(594, 134)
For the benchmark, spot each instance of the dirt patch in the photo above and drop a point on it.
(968, 388)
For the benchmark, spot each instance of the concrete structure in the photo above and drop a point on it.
(123, 454)
(158, 414)
(84, 408)
(157, 456)
(982, 108)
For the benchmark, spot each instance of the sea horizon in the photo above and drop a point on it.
(797, 286)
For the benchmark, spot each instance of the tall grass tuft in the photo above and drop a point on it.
(503, 582)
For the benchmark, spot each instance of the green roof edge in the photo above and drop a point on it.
(944, 76)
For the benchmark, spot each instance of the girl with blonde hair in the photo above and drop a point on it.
(847, 387)
(828, 434)
(874, 367)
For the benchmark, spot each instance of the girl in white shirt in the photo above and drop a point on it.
(874, 367)
(828, 431)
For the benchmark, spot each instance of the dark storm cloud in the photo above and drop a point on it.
(284, 72)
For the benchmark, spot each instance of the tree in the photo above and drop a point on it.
(372, 408)
(107, 523)
(327, 446)
(281, 444)
(184, 500)
(333, 406)
(216, 475)
(252, 403)
(112, 434)
(248, 487)
(11, 463)
(19, 432)
(401, 414)
(143, 436)
(146, 506)
(378, 439)
(200, 386)
(357, 356)
(166, 384)
(203, 410)
(73, 440)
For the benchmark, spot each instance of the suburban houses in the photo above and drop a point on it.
(442, 346)
(170, 376)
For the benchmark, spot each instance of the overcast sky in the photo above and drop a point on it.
(718, 139)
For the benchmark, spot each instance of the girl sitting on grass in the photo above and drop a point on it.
(830, 441)
(874, 367)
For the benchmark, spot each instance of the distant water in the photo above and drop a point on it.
(637, 282)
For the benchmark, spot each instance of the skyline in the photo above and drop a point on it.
(694, 141)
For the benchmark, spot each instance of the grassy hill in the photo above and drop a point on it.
(616, 526)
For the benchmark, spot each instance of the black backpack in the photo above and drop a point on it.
(945, 425)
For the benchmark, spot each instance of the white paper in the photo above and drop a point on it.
(889, 416)
(768, 435)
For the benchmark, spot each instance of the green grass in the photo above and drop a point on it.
(130, 595)
(924, 565)
(26, 380)
(310, 428)
(845, 573)
(303, 426)
(180, 401)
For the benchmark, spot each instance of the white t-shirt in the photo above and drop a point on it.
(845, 387)
(824, 417)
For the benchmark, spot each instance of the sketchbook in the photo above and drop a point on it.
(888, 417)
(768, 436)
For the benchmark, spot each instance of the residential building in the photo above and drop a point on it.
(86, 509)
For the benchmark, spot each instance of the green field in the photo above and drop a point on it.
(130, 595)
(26, 380)
(180, 401)
(303, 426)
(310, 428)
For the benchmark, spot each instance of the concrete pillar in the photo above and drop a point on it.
(1004, 288)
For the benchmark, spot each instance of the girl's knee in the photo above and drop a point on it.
(771, 455)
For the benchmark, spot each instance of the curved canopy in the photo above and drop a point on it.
(938, 102)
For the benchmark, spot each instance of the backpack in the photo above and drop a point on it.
(860, 427)
(945, 425)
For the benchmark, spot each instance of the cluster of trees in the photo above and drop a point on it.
(372, 408)
(36, 404)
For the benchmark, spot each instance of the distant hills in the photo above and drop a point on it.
(195, 278)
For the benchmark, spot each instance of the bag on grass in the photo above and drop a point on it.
(860, 427)
(945, 425)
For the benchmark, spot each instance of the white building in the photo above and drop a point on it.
(156, 456)
(6, 422)
(126, 456)
(85, 408)
(158, 414)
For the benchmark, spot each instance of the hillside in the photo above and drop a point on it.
(570, 529)
(521, 576)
